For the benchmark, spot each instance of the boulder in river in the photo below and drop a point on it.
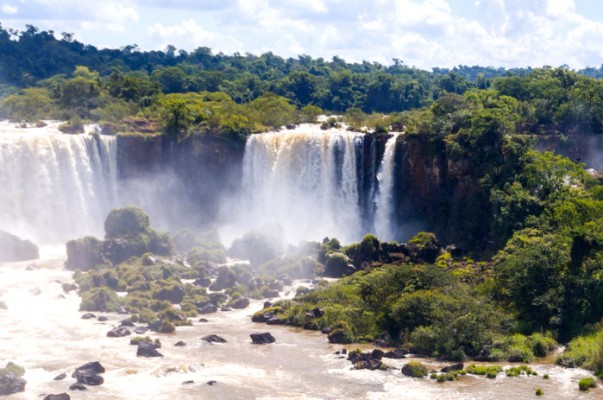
(11, 383)
(13, 248)
(262, 338)
(119, 331)
(11, 379)
(60, 396)
(213, 339)
(87, 374)
(78, 386)
(147, 350)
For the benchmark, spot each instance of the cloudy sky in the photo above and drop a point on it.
(421, 33)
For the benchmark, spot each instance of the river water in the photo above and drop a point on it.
(42, 330)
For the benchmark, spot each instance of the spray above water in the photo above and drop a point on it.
(55, 186)
(305, 180)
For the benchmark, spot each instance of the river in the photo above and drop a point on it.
(42, 331)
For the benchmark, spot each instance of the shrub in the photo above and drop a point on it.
(587, 383)
(415, 369)
(539, 392)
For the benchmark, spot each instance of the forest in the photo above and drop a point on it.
(530, 274)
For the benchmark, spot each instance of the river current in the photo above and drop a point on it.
(42, 330)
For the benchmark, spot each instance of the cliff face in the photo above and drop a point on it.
(192, 177)
(437, 192)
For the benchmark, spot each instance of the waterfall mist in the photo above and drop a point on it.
(55, 186)
(301, 184)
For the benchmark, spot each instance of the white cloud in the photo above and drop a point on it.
(9, 9)
(424, 33)
(189, 35)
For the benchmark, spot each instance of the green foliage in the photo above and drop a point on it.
(587, 383)
(415, 369)
(100, 299)
(539, 392)
(490, 371)
(12, 368)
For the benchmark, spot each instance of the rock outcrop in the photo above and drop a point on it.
(13, 248)
(262, 338)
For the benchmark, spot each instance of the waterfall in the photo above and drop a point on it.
(55, 187)
(306, 181)
(384, 226)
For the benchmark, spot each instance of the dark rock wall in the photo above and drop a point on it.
(189, 179)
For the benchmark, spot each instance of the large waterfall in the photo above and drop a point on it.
(313, 183)
(55, 187)
(306, 182)
(384, 226)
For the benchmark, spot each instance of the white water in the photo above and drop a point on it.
(55, 187)
(304, 180)
(43, 332)
(385, 198)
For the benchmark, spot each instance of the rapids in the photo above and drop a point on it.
(42, 331)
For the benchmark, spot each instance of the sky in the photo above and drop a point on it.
(420, 33)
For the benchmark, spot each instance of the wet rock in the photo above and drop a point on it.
(213, 339)
(339, 336)
(102, 318)
(119, 331)
(208, 309)
(268, 304)
(78, 386)
(127, 322)
(396, 354)
(85, 253)
(139, 330)
(88, 315)
(270, 293)
(12, 248)
(180, 343)
(91, 367)
(90, 380)
(453, 367)
(87, 374)
(69, 287)
(147, 350)
(60, 396)
(275, 321)
(369, 360)
(241, 303)
(225, 308)
(415, 369)
(11, 383)
(60, 377)
(188, 382)
(211, 383)
(262, 338)
(203, 320)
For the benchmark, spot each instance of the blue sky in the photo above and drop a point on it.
(422, 33)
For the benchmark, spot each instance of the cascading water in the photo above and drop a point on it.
(306, 181)
(55, 187)
(385, 198)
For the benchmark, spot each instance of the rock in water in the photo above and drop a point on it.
(85, 253)
(61, 396)
(213, 339)
(12, 248)
(147, 350)
(119, 331)
(87, 374)
(78, 386)
(11, 380)
(11, 383)
(262, 338)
